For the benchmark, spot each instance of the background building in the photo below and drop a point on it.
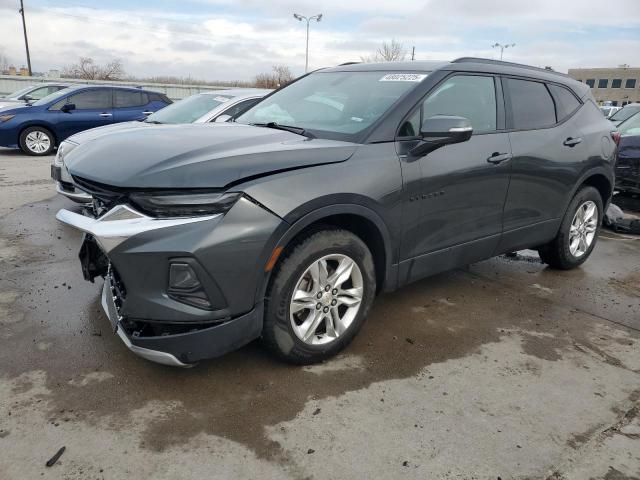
(616, 85)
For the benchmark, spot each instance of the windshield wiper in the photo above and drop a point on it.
(155, 122)
(286, 128)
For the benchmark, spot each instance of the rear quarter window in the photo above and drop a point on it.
(531, 105)
(566, 102)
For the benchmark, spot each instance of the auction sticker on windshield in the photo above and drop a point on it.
(403, 77)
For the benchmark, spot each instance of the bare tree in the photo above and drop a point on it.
(87, 69)
(393, 51)
(279, 77)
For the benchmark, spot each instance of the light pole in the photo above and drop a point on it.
(502, 47)
(300, 18)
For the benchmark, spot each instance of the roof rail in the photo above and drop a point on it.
(506, 64)
(348, 63)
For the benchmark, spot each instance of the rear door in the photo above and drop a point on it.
(548, 154)
(454, 196)
(130, 105)
(93, 108)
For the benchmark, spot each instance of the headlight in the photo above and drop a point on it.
(186, 204)
(6, 118)
(63, 150)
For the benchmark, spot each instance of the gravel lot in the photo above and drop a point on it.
(505, 369)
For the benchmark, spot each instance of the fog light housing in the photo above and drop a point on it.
(185, 287)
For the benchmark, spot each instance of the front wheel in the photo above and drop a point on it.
(578, 232)
(319, 297)
(37, 141)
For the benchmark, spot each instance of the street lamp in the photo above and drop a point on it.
(300, 18)
(502, 47)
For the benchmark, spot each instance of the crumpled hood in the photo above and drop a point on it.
(196, 155)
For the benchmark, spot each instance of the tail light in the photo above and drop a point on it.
(616, 137)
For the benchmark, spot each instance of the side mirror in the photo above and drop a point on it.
(223, 118)
(27, 98)
(68, 107)
(441, 130)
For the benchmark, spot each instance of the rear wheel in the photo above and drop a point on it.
(37, 141)
(319, 297)
(578, 232)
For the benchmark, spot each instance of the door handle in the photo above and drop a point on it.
(497, 158)
(106, 114)
(572, 142)
(147, 112)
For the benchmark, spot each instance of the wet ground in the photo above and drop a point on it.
(505, 369)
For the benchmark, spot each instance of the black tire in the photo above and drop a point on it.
(557, 252)
(278, 334)
(37, 130)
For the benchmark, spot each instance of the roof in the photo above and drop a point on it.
(468, 64)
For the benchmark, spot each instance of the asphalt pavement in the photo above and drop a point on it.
(505, 369)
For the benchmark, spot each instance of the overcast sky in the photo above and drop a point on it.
(236, 39)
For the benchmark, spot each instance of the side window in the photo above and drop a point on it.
(92, 99)
(129, 98)
(240, 107)
(411, 126)
(531, 105)
(566, 102)
(58, 105)
(469, 96)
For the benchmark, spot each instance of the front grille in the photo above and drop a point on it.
(105, 196)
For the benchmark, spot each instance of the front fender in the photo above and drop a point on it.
(297, 222)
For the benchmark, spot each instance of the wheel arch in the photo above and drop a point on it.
(358, 219)
(599, 178)
(44, 125)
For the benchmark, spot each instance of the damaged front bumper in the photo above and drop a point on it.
(134, 253)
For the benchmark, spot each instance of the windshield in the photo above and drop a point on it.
(631, 126)
(189, 109)
(19, 93)
(65, 92)
(335, 105)
(624, 113)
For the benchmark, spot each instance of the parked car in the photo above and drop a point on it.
(220, 105)
(38, 128)
(625, 112)
(628, 161)
(347, 182)
(608, 110)
(31, 94)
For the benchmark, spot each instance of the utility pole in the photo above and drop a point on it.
(413, 54)
(26, 42)
(300, 18)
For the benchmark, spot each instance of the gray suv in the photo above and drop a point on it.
(352, 180)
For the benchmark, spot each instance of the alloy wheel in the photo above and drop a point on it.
(583, 228)
(38, 141)
(326, 299)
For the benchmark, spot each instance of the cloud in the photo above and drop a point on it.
(226, 39)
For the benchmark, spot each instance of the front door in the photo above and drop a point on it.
(454, 196)
(93, 108)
